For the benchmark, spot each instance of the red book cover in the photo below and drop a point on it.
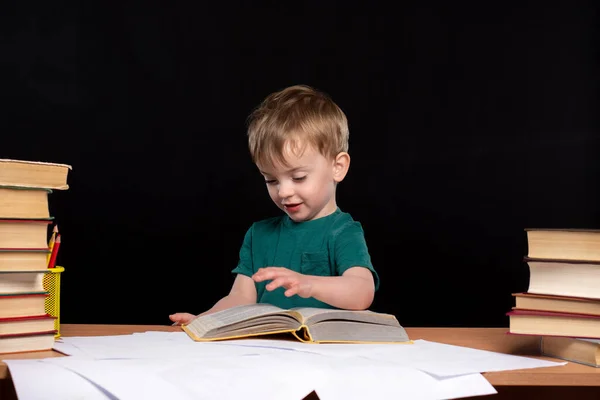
(26, 318)
(552, 296)
(39, 250)
(559, 261)
(13, 335)
(545, 334)
(27, 221)
(550, 314)
(25, 249)
(6, 296)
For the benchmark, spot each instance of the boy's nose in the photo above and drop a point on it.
(285, 190)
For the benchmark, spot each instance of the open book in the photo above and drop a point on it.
(313, 325)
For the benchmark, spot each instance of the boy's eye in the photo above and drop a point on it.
(300, 178)
(270, 181)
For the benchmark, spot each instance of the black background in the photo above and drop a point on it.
(468, 124)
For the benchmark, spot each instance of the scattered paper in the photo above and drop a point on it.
(51, 382)
(157, 365)
(383, 381)
(125, 379)
(439, 359)
(152, 346)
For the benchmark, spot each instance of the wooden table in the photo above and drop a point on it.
(568, 381)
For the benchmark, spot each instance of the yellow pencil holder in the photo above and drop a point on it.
(52, 302)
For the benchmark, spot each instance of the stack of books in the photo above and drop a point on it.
(26, 252)
(562, 302)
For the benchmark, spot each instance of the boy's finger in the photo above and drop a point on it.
(292, 291)
(273, 285)
(268, 275)
(281, 281)
(261, 276)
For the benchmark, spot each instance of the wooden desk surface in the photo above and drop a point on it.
(492, 339)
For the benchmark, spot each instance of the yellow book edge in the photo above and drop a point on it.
(8, 160)
(302, 334)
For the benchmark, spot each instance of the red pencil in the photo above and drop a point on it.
(51, 242)
(52, 262)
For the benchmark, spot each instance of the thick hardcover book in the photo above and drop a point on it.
(24, 203)
(564, 277)
(25, 342)
(26, 324)
(24, 260)
(578, 350)
(564, 244)
(20, 282)
(34, 174)
(533, 322)
(314, 325)
(565, 304)
(23, 234)
(20, 305)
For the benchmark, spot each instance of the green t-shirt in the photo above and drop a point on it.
(326, 246)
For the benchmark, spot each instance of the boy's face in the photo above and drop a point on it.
(305, 188)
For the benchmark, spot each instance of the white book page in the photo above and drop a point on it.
(207, 323)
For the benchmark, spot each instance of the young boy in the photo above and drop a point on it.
(315, 255)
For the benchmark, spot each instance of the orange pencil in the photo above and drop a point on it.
(55, 248)
(51, 243)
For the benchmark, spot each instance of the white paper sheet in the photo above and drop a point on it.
(151, 346)
(266, 377)
(69, 349)
(38, 380)
(294, 375)
(253, 377)
(435, 358)
(373, 380)
(170, 365)
(126, 379)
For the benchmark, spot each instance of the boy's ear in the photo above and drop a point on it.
(341, 163)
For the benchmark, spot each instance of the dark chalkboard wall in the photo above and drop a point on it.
(467, 126)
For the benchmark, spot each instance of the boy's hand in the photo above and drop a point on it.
(182, 318)
(293, 282)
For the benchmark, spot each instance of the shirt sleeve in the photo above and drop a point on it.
(245, 265)
(351, 250)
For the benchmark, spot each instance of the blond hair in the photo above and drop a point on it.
(296, 116)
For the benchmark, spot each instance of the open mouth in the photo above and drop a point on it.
(292, 207)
